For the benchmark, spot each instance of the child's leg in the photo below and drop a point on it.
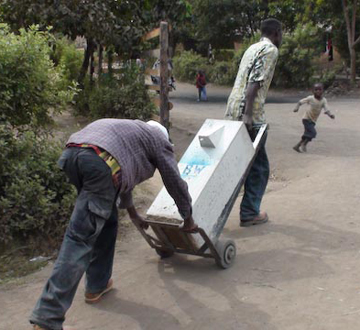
(304, 142)
(309, 133)
(199, 91)
(297, 146)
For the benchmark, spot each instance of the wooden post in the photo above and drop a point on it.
(164, 75)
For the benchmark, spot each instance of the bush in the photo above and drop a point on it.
(123, 97)
(224, 72)
(29, 86)
(295, 67)
(35, 198)
(187, 64)
(221, 73)
(224, 55)
(327, 78)
(69, 59)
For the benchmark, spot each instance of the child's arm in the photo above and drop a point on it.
(327, 110)
(301, 102)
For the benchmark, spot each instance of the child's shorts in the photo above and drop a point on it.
(310, 131)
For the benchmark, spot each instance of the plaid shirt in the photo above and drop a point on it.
(257, 65)
(139, 149)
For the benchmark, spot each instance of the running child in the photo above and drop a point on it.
(317, 102)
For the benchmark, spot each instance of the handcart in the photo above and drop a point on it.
(168, 238)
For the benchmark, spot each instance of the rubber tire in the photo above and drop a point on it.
(164, 253)
(227, 252)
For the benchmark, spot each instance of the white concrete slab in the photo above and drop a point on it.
(212, 170)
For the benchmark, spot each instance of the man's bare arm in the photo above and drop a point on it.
(251, 94)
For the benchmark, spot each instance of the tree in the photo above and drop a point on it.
(221, 22)
(350, 19)
(341, 17)
(104, 23)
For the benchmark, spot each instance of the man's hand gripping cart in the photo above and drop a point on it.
(215, 167)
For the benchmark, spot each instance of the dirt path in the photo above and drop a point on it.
(299, 271)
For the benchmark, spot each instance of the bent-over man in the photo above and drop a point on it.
(106, 159)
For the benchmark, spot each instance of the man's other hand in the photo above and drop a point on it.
(189, 225)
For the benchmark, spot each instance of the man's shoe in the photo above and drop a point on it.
(93, 298)
(297, 148)
(262, 217)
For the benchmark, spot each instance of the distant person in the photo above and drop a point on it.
(156, 78)
(201, 86)
(246, 103)
(139, 63)
(107, 158)
(317, 102)
(210, 55)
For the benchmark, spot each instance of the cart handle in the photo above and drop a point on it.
(259, 135)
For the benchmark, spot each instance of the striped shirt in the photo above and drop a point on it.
(109, 160)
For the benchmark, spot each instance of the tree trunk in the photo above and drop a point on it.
(100, 50)
(110, 62)
(350, 29)
(92, 67)
(352, 65)
(85, 65)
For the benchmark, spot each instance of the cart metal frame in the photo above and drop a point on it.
(170, 238)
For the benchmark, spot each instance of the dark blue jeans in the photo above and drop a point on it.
(309, 130)
(255, 184)
(89, 242)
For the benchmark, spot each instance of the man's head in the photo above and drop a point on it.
(272, 29)
(318, 90)
(154, 123)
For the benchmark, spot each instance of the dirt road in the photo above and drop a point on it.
(299, 271)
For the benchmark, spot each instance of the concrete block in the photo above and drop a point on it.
(212, 166)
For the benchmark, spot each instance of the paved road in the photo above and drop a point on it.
(298, 272)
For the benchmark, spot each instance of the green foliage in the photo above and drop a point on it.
(327, 78)
(224, 54)
(35, 198)
(224, 73)
(221, 73)
(68, 58)
(297, 51)
(124, 96)
(187, 64)
(30, 86)
(221, 22)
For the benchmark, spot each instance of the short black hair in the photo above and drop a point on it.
(270, 26)
(318, 84)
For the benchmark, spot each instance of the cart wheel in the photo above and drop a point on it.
(227, 252)
(164, 253)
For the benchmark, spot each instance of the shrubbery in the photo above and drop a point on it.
(295, 67)
(124, 96)
(187, 64)
(221, 73)
(68, 59)
(35, 198)
(30, 86)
